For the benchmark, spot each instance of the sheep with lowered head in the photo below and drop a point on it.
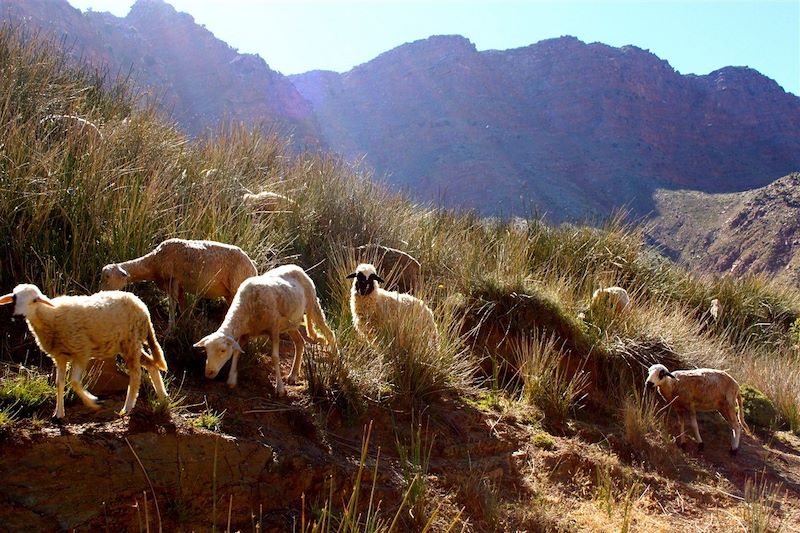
(611, 298)
(703, 389)
(267, 201)
(277, 301)
(208, 269)
(75, 329)
(377, 311)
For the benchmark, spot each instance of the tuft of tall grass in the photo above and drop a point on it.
(24, 391)
(547, 382)
(761, 510)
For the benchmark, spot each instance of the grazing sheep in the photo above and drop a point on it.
(79, 328)
(407, 268)
(272, 303)
(75, 127)
(611, 298)
(267, 201)
(704, 389)
(715, 310)
(206, 268)
(376, 310)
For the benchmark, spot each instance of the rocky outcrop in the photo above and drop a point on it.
(750, 232)
(561, 126)
(197, 78)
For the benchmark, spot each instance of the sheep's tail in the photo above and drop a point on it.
(741, 411)
(157, 358)
(316, 317)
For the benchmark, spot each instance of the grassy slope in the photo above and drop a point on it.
(507, 298)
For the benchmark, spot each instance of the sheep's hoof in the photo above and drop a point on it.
(280, 393)
(57, 420)
(734, 451)
(231, 385)
(291, 380)
(701, 446)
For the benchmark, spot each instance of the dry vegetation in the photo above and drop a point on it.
(578, 446)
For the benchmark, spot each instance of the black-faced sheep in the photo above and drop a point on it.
(703, 389)
(76, 329)
(407, 270)
(208, 269)
(377, 311)
(270, 304)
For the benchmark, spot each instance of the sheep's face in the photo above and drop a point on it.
(365, 278)
(656, 375)
(219, 349)
(113, 278)
(25, 299)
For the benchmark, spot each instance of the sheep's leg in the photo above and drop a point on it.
(61, 371)
(682, 432)
(729, 413)
(299, 349)
(158, 382)
(696, 430)
(135, 375)
(88, 399)
(233, 375)
(276, 364)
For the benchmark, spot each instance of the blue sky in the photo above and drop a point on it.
(697, 37)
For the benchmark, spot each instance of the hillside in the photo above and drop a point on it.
(561, 127)
(751, 232)
(197, 79)
(525, 414)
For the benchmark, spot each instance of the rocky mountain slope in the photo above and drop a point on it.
(562, 127)
(198, 79)
(738, 233)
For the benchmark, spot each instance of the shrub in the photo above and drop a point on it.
(759, 410)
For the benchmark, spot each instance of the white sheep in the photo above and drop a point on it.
(208, 269)
(703, 389)
(407, 269)
(377, 311)
(615, 299)
(79, 328)
(715, 310)
(272, 303)
(267, 201)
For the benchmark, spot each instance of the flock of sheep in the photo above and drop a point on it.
(76, 329)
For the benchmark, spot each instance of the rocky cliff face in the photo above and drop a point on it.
(562, 127)
(749, 232)
(198, 79)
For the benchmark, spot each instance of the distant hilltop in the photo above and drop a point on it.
(560, 128)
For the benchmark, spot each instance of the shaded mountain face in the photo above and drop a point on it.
(560, 127)
(749, 232)
(198, 79)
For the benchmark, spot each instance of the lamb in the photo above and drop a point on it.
(267, 201)
(407, 268)
(272, 303)
(615, 299)
(376, 310)
(207, 268)
(704, 389)
(77, 329)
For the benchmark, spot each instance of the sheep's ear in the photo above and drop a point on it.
(375, 277)
(201, 343)
(45, 300)
(7, 299)
(124, 272)
(351, 276)
(236, 346)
